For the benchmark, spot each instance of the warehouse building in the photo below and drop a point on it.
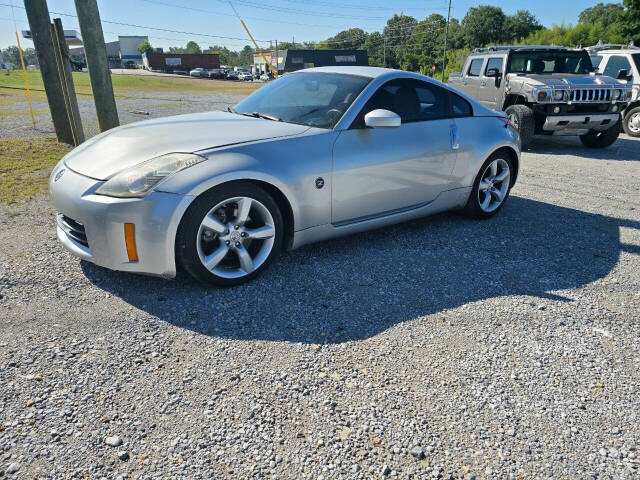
(123, 53)
(292, 60)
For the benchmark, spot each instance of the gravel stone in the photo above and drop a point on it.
(113, 441)
(346, 355)
(13, 468)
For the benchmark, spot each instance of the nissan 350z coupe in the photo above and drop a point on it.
(313, 155)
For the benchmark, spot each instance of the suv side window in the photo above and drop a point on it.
(615, 64)
(494, 62)
(413, 100)
(475, 67)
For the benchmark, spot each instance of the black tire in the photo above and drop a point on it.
(525, 121)
(472, 208)
(187, 237)
(627, 118)
(602, 139)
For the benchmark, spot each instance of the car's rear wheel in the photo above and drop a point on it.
(522, 117)
(491, 187)
(631, 122)
(230, 234)
(596, 139)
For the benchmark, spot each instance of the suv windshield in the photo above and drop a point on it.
(313, 99)
(548, 62)
(636, 60)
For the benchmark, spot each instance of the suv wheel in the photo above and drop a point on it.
(631, 122)
(522, 117)
(595, 139)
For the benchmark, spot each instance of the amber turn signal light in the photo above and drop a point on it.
(130, 241)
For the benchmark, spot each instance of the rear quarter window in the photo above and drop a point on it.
(459, 106)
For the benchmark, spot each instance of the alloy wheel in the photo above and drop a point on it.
(634, 123)
(494, 185)
(236, 237)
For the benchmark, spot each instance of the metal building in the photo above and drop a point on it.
(292, 60)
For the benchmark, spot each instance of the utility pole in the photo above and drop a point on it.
(277, 61)
(40, 25)
(96, 52)
(446, 33)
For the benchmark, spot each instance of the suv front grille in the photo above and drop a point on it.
(590, 95)
(73, 229)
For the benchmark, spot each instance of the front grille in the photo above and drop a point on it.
(590, 95)
(73, 229)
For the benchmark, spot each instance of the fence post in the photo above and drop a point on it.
(96, 54)
(66, 80)
(39, 23)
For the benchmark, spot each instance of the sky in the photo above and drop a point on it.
(210, 22)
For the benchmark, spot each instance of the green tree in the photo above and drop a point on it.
(520, 25)
(630, 21)
(145, 47)
(484, 25)
(192, 47)
(396, 34)
(11, 55)
(353, 38)
(425, 46)
(601, 13)
(374, 45)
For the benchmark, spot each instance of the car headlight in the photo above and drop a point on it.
(558, 95)
(139, 180)
(616, 94)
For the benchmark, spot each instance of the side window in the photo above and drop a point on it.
(459, 106)
(615, 64)
(595, 60)
(413, 100)
(495, 62)
(475, 67)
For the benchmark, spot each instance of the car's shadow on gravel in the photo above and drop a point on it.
(358, 286)
(624, 149)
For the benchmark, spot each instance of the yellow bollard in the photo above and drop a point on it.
(26, 81)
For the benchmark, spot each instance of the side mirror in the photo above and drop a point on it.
(382, 119)
(623, 74)
(492, 72)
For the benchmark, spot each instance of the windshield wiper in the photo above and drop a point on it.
(261, 115)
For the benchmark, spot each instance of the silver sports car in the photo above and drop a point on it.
(313, 155)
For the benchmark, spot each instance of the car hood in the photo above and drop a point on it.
(566, 80)
(114, 150)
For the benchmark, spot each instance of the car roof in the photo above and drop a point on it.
(371, 72)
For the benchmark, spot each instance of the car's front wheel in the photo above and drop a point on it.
(601, 139)
(631, 122)
(491, 187)
(230, 234)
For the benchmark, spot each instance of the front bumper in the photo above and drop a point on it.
(579, 124)
(156, 218)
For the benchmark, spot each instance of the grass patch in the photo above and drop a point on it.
(125, 84)
(25, 166)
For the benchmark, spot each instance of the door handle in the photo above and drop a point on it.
(483, 83)
(464, 82)
(455, 139)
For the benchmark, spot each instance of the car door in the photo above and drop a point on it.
(385, 170)
(471, 80)
(490, 90)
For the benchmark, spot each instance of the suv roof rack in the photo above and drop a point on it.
(518, 47)
(611, 46)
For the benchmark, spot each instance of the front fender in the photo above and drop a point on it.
(291, 165)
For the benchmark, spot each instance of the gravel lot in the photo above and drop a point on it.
(444, 347)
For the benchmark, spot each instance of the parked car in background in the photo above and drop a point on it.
(77, 65)
(316, 154)
(614, 60)
(245, 76)
(232, 75)
(214, 73)
(546, 90)
(265, 77)
(196, 72)
(180, 72)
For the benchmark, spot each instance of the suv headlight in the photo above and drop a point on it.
(139, 180)
(558, 95)
(616, 94)
(542, 94)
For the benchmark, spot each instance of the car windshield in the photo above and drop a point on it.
(313, 99)
(549, 62)
(636, 60)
